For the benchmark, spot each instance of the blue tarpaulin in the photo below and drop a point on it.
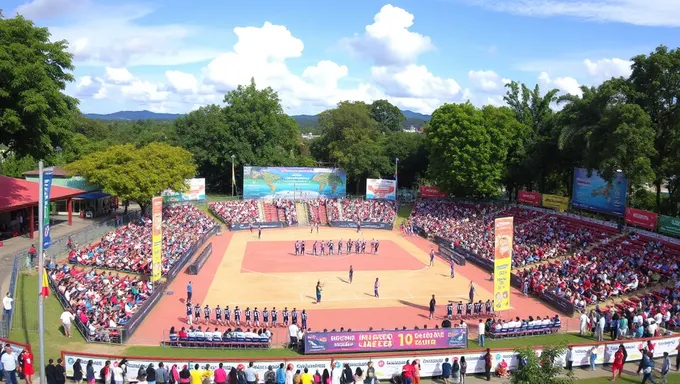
(96, 195)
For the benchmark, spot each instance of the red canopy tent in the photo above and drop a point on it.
(19, 194)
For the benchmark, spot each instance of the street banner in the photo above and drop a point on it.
(428, 191)
(381, 189)
(374, 341)
(596, 194)
(640, 218)
(558, 203)
(46, 189)
(503, 243)
(669, 225)
(529, 198)
(156, 238)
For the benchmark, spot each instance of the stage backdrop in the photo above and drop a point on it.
(289, 183)
(596, 194)
(195, 191)
(503, 244)
(381, 189)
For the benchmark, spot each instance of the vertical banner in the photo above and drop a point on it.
(503, 238)
(46, 187)
(156, 238)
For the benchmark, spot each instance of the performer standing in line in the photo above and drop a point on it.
(285, 316)
(294, 315)
(227, 315)
(190, 314)
(265, 317)
(449, 310)
(431, 257)
(319, 286)
(349, 246)
(377, 245)
(218, 315)
(433, 306)
(207, 311)
(340, 247)
(302, 248)
(256, 317)
(275, 317)
(304, 319)
(323, 248)
(376, 287)
(197, 313)
(314, 248)
(237, 315)
(351, 274)
(453, 269)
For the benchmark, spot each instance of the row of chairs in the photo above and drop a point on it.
(241, 343)
(524, 331)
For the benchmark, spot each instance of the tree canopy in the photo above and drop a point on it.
(137, 174)
(534, 143)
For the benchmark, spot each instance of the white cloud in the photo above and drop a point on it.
(605, 69)
(145, 91)
(486, 80)
(388, 41)
(655, 13)
(87, 87)
(182, 82)
(119, 76)
(414, 81)
(565, 84)
(42, 9)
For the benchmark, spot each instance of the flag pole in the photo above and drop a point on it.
(41, 269)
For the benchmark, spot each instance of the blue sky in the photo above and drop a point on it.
(175, 56)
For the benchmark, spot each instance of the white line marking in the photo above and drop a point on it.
(410, 295)
(366, 297)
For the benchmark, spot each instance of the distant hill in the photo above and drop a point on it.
(307, 123)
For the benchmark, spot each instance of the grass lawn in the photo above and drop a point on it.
(673, 378)
(404, 213)
(521, 342)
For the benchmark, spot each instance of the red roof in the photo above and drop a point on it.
(19, 193)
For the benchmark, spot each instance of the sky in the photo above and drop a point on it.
(175, 56)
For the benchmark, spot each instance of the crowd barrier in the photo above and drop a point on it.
(364, 224)
(196, 266)
(246, 226)
(451, 254)
(388, 364)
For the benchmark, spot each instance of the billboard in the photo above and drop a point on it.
(430, 191)
(381, 189)
(669, 225)
(640, 218)
(290, 183)
(195, 190)
(156, 238)
(596, 194)
(558, 203)
(503, 242)
(529, 198)
(372, 341)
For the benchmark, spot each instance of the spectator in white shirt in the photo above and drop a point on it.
(9, 365)
(7, 305)
(293, 331)
(482, 333)
(67, 319)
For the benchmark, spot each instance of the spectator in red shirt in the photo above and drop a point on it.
(407, 372)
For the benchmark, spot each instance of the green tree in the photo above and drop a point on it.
(13, 166)
(352, 140)
(137, 174)
(412, 151)
(468, 148)
(252, 127)
(611, 133)
(35, 116)
(655, 86)
(388, 116)
(534, 155)
(543, 369)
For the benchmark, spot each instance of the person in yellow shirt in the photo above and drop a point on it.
(196, 375)
(307, 377)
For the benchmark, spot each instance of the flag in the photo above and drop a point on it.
(45, 292)
(46, 191)
(396, 167)
(233, 176)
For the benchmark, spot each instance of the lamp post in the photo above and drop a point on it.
(233, 176)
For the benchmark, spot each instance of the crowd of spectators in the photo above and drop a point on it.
(128, 248)
(100, 301)
(530, 326)
(287, 211)
(236, 335)
(237, 211)
(377, 211)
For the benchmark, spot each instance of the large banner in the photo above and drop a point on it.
(195, 191)
(669, 225)
(363, 225)
(430, 191)
(596, 194)
(529, 198)
(46, 189)
(558, 203)
(381, 189)
(503, 242)
(156, 238)
(293, 183)
(640, 218)
(372, 341)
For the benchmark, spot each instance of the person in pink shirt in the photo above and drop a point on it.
(220, 375)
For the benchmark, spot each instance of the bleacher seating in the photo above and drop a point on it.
(271, 213)
(236, 211)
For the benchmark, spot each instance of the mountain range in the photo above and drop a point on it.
(306, 122)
